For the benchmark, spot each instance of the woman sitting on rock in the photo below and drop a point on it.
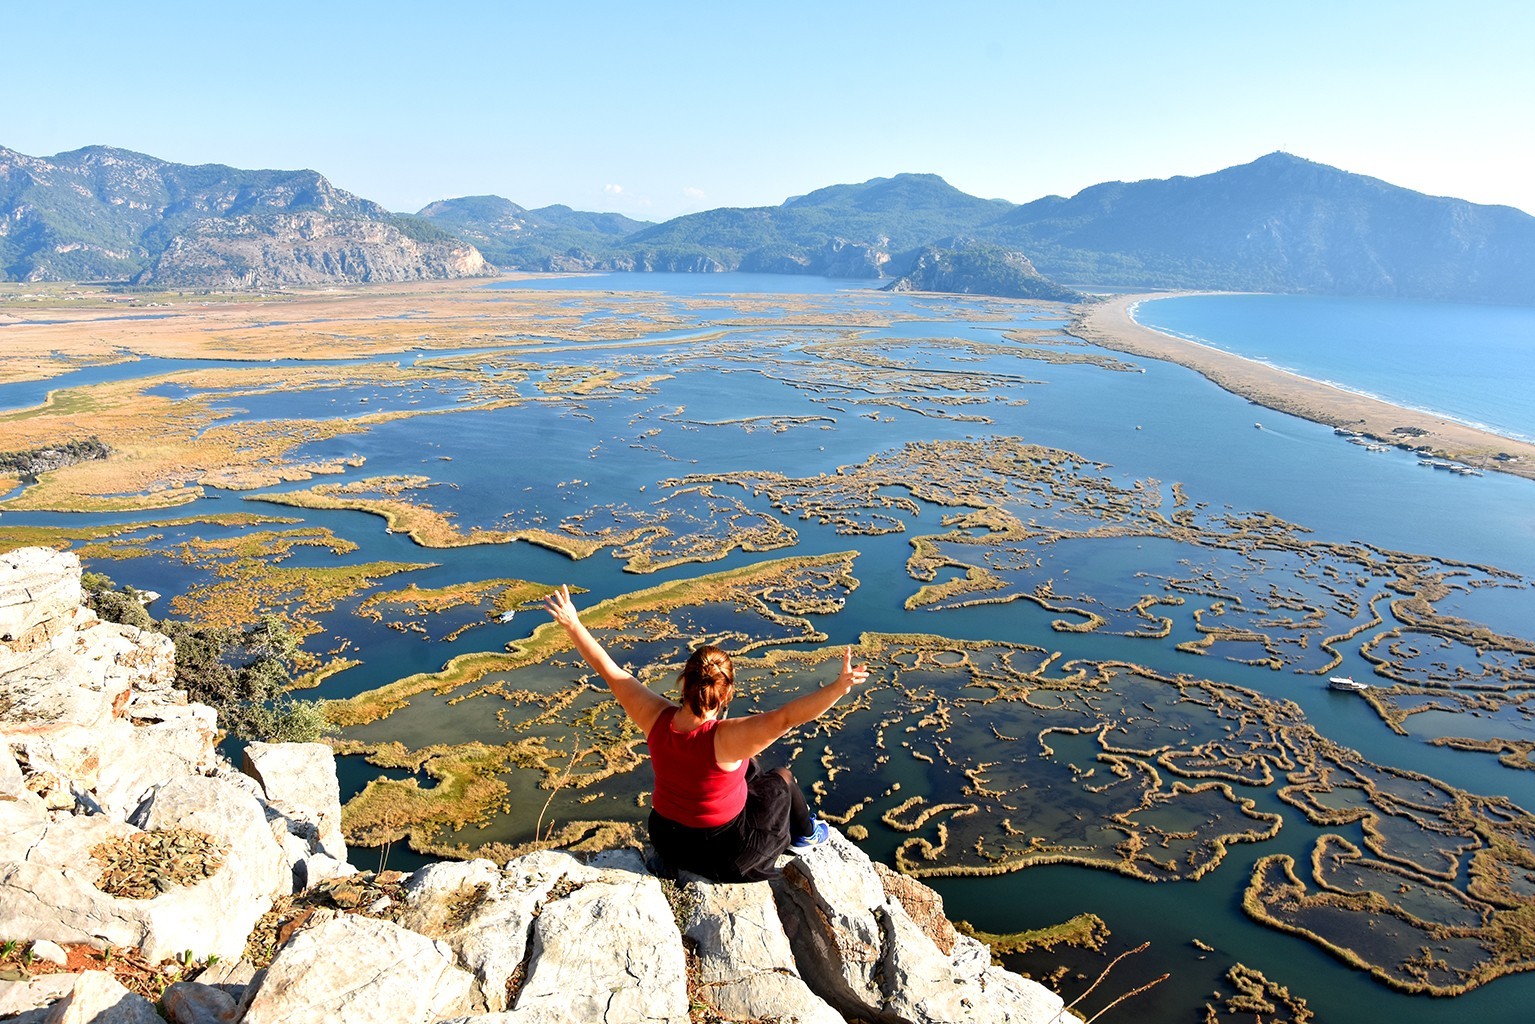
(713, 812)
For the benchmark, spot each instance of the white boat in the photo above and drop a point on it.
(1347, 683)
(507, 616)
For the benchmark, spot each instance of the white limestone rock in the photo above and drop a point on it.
(609, 951)
(299, 780)
(113, 766)
(318, 867)
(29, 1000)
(39, 592)
(23, 820)
(56, 684)
(216, 915)
(60, 665)
(47, 884)
(52, 952)
(219, 809)
(48, 887)
(828, 896)
(744, 968)
(98, 998)
(865, 955)
(12, 783)
(83, 674)
(347, 968)
(439, 897)
(485, 914)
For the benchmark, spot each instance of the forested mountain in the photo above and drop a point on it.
(1279, 224)
(111, 214)
(839, 231)
(883, 218)
(550, 238)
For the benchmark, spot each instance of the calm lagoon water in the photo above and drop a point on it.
(696, 284)
(545, 460)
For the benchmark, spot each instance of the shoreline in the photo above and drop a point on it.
(1111, 324)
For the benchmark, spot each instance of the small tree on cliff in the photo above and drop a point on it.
(243, 674)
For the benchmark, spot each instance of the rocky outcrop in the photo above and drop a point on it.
(849, 924)
(299, 780)
(346, 967)
(743, 959)
(182, 854)
(842, 258)
(97, 996)
(108, 774)
(648, 261)
(967, 268)
(110, 214)
(277, 250)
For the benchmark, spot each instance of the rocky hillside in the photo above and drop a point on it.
(113, 215)
(143, 878)
(970, 269)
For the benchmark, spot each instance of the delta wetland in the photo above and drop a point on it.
(1101, 616)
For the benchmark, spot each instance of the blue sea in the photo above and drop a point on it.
(1472, 364)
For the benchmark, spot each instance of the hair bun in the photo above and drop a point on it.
(707, 680)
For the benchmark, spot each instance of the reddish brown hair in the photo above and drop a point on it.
(708, 680)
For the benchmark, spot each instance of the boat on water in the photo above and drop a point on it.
(1347, 683)
(1452, 467)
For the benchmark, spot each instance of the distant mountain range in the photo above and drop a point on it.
(518, 239)
(1280, 224)
(101, 214)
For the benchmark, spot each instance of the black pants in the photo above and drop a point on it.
(744, 848)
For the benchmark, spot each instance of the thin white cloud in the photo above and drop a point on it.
(613, 190)
(689, 192)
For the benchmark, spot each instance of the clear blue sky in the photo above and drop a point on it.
(653, 109)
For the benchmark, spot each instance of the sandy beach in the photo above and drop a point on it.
(1110, 325)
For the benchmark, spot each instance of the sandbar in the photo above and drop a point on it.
(1111, 325)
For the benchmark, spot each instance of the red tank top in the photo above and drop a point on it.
(690, 787)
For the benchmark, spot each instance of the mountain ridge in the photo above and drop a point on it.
(104, 213)
(1279, 223)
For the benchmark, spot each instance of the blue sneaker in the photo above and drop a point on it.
(818, 835)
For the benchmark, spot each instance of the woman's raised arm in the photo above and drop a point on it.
(642, 704)
(736, 739)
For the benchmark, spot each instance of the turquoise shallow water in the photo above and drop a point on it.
(1475, 364)
(547, 459)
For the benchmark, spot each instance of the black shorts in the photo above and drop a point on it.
(741, 850)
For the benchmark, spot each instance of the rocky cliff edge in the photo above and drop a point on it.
(123, 832)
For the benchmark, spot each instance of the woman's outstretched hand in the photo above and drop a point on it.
(851, 675)
(561, 609)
